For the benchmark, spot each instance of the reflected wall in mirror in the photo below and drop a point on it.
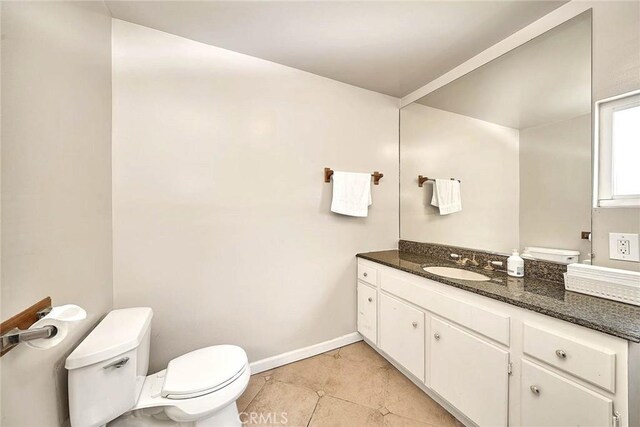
(517, 133)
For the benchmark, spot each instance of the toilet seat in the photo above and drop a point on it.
(203, 371)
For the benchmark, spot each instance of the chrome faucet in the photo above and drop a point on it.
(464, 261)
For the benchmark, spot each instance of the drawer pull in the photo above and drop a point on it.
(415, 324)
(535, 389)
(436, 336)
(365, 274)
(370, 299)
(561, 354)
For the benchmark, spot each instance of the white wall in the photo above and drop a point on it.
(221, 216)
(483, 155)
(616, 70)
(56, 187)
(555, 184)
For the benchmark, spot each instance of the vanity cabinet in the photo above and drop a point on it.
(548, 399)
(494, 364)
(470, 373)
(402, 334)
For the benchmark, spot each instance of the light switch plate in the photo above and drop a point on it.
(624, 246)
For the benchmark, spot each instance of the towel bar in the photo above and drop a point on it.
(423, 179)
(377, 176)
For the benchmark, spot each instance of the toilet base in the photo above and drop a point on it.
(226, 417)
(155, 417)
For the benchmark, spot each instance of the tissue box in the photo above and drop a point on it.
(609, 283)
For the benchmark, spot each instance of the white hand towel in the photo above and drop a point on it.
(351, 193)
(446, 196)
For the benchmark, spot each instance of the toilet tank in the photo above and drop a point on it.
(563, 256)
(108, 368)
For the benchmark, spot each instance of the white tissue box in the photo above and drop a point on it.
(627, 291)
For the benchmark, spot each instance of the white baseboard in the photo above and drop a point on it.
(303, 353)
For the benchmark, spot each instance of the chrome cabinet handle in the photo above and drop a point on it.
(117, 364)
(561, 354)
(535, 389)
(415, 324)
(436, 336)
(364, 274)
(369, 299)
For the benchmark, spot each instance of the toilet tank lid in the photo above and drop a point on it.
(120, 331)
(551, 251)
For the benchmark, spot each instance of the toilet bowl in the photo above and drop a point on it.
(108, 380)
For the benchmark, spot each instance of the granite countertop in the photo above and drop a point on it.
(550, 298)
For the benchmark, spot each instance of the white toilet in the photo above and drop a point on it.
(108, 379)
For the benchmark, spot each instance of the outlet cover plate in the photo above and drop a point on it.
(624, 246)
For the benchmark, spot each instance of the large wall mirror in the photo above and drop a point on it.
(516, 132)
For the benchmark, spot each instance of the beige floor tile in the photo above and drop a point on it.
(393, 420)
(265, 373)
(335, 412)
(256, 382)
(281, 403)
(358, 382)
(404, 398)
(333, 353)
(351, 386)
(363, 353)
(311, 373)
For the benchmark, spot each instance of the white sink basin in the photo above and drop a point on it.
(457, 273)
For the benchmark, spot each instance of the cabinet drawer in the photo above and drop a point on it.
(368, 274)
(551, 400)
(491, 324)
(593, 364)
(367, 312)
(402, 334)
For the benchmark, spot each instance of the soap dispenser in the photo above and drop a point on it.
(515, 265)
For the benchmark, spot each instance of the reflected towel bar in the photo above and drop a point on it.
(423, 179)
(377, 176)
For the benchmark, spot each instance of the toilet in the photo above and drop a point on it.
(108, 380)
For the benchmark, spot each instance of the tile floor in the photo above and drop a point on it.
(351, 386)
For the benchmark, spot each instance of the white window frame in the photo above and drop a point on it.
(602, 152)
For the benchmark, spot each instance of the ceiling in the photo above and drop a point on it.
(392, 47)
(545, 80)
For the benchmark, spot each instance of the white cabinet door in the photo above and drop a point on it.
(367, 302)
(551, 400)
(470, 373)
(402, 334)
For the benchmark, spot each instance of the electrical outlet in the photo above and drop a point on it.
(624, 246)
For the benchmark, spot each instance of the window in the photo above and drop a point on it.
(617, 151)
